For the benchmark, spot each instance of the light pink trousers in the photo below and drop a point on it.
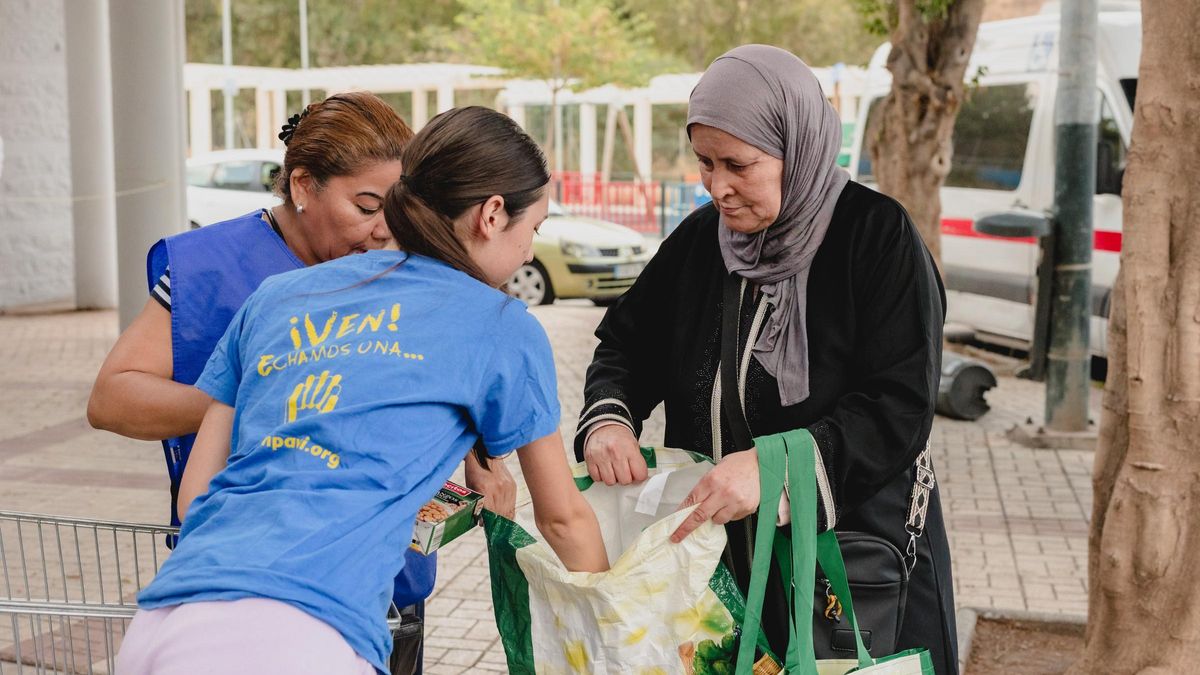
(253, 635)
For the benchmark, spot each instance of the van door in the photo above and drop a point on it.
(1112, 147)
(990, 281)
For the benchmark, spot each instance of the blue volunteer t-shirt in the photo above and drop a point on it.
(356, 397)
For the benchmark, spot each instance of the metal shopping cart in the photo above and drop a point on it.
(68, 589)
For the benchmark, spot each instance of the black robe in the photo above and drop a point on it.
(875, 311)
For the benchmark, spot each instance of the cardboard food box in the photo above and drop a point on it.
(450, 514)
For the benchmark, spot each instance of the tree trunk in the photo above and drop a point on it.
(1144, 599)
(911, 143)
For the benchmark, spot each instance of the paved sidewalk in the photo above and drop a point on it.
(1017, 517)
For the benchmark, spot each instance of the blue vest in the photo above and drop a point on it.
(213, 270)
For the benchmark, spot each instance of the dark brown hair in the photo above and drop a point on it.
(460, 159)
(340, 136)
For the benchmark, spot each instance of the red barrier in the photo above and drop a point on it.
(634, 204)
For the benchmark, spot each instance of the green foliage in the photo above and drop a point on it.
(574, 44)
(878, 15)
(340, 32)
(934, 10)
(656, 35)
(973, 83)
(821, 32)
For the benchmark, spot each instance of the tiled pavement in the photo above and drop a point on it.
(1017, 517)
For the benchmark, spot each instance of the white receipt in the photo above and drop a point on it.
(651, 496)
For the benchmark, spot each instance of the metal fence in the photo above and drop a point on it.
(68, 589)
(651, 207)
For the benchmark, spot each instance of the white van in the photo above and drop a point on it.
(1004, 160)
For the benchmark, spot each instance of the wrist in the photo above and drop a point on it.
(596, 426)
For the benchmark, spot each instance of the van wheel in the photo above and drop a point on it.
(531, 285)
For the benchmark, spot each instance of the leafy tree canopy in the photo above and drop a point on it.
(665, 34)
(568, 43)
(821, 32)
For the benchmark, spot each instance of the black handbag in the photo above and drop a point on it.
(878, 579)
(878, 573)
(408, 641)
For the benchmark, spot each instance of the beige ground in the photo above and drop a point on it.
(1018, 517)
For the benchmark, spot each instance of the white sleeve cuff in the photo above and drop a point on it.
(604, 423)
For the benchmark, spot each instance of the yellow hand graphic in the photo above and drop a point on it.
(320, 394)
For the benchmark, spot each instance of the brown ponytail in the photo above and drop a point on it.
(460, 159)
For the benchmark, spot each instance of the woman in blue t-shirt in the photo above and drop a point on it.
(345, 394)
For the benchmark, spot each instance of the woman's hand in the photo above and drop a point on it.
(729, 492)
(613, 456)
(495, 483)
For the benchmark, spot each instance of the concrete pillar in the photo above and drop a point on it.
(643, 146)
(587, 149)
(420, 109)
(587, 138)
(200, 121)
(148, 122)
(559, 164)
(90, 111)
(517, 113)
(230, 89)
(610, 139)
(278, 116)
(445, 97)
(263, 131)
(35, 192)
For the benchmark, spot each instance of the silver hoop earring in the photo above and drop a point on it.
(299, 208)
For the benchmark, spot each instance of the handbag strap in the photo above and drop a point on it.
(784, 459)
(918, 504)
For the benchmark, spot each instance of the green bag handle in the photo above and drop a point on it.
(788, 459)
(771, 472)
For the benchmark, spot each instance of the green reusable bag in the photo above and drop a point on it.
(787, 462)
(662, 609)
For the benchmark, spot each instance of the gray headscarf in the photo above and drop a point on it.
(768, 98)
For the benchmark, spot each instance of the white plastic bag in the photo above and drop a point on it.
(662, 608)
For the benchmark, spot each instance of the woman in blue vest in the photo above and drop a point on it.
(343, 154)
(344, 395)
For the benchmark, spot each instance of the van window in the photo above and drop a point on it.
(990, 138)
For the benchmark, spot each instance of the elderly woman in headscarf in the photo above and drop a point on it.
(837, 308)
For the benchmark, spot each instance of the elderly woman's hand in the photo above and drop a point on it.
(729, 492)
(613, 456)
